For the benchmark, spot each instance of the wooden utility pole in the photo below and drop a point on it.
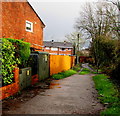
(78, 37)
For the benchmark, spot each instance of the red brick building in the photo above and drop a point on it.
(20, 21)
(58, 48)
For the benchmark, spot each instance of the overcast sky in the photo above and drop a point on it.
(59, 16)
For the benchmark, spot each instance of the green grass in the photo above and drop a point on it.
(108, 94)
(94, 73)
(64, 74)
(76, 68)
(85, 71)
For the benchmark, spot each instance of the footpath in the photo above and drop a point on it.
(73, 95)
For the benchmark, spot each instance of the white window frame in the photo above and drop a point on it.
(54, 49)
(31, 30)
(47, 48)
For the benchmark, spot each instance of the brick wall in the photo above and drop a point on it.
(11, 89)
(14, 16)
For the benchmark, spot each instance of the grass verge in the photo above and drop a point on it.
(64, 74)
(108, 95)
(77, 67)
(85, 71)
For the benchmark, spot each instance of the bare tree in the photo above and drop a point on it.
(117, 4)
(98, 20)
(76, 38)
(78, 42)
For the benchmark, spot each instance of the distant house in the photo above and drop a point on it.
(85, 52)
(20, 21)
(58, 48)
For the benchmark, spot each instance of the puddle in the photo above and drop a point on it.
(54, 84)
(58, 87)
(56, 80)
(48, 95)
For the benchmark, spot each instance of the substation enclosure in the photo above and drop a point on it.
(25, 77)
(39, 62)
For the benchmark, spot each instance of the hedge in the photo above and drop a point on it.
(13, 52)
(22, 51)
(8, 61)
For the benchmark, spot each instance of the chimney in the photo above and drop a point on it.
(52, 41)
(64, 42)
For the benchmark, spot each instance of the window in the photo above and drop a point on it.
(47, 48)
(29, 26)
(54, 49)
(69, 49)
(62, 49)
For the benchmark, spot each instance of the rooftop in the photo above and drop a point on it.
(35, 12)
(58, 44)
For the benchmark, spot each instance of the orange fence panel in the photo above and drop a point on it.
(59, 63)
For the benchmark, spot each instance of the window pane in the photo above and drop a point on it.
(29, 26)
(47, 48)
(54, 49)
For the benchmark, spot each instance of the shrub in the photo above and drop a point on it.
(103, 49)
(116, 73)
(13, 52)
(106, 53)
(8, 61)
(22, 51)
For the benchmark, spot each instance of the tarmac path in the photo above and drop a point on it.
(73, 95)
